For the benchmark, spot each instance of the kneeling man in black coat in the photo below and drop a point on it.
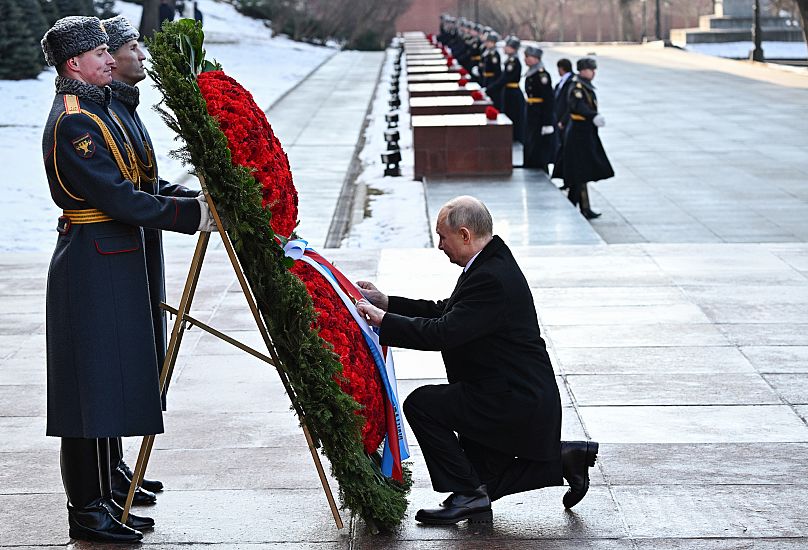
(495, 428)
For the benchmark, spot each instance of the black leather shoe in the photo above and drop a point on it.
(94, 522)
(149, 484)
(139, 523)
(576, 459)
(475, 507)
(590, 215)
(120, 489)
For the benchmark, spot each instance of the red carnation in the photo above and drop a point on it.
(462, 82)
(476, 95)
(463, 72)
(449, 61)
(491, 113)
(253, 145)
(360, 377)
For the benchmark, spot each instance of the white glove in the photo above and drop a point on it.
(475, 70)
(599, 121)
(206, 222)
(547, 130)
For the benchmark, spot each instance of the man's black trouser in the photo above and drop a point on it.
(461, 464)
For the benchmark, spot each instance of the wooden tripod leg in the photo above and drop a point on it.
(168, 364)
(245, 288)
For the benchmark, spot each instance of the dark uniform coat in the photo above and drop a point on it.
(488, 334)
(584, 158)
(539, 149)
(125, 100)
(490, 70)
(102, 364)
(562, 113)
(512, 100)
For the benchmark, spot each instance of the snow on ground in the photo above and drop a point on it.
(395, 213)
(740, 50)
(266, 66)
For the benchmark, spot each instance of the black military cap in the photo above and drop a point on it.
(71, 36)
(492, 37)
(513, 42)
(586, 63)
(533, 51)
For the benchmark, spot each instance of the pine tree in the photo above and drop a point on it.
(104, 9)
(37, 24)
(50, 10)
(19, 58)
(75, 7)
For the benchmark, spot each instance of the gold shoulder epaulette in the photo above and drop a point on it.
(72, 105)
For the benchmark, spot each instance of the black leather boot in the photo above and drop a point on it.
(474, 506)
(87, 516)
(116, 455)
(576, 459)
(95, 523)
(106, 457)
(120, 489)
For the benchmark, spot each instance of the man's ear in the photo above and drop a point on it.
(466, 234)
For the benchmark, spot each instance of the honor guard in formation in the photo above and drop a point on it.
(101, 356)
(126, 74)
(584, 158)
(540, 137)
(507, 87)
(490, 65)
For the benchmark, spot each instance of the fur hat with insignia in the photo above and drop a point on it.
(586, 63)
(513, 42)
(533, 51)
(71, 36)
(120, 31)
(492, 37)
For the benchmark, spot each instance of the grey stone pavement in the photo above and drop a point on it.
(678, 328)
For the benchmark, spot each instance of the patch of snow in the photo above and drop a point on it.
(396, 215)
(740, 50)
(266, 66)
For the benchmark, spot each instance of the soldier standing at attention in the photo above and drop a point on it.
(491, 65)
(127, 72)
(585, 159)
(507, 87)
(101, 360)
(540, 142)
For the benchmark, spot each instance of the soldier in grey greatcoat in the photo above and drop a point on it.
(101, 359)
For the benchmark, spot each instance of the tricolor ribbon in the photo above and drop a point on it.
(396, 448)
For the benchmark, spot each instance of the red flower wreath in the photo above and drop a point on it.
(360, 378)
(253, 144)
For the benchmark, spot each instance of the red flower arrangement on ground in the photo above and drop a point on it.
(463, 72)
(476, 95)
(253, 144)
(462, 81)
(491, 113)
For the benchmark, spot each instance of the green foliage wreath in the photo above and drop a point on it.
(285, 305)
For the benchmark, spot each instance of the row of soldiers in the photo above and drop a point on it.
(557, 125)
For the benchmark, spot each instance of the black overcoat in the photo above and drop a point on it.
(539, 149)
(125, 100)
(562, 114)
(488, 334)
(491, 68)
(101, 359)
(584, 158)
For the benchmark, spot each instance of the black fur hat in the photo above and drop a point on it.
(586, 63)
(120, 31)
(513, 42)
(71, 36)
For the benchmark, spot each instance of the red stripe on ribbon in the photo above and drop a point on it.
(347, 286)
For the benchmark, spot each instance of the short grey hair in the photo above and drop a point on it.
(469, 212)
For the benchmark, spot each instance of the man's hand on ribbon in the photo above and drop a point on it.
(373, 294)
(371, 313)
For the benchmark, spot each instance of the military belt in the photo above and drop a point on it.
(579, 118)
(488, 75)
(475, 57)
(535, 100)
(80, 217)
(512, 85)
